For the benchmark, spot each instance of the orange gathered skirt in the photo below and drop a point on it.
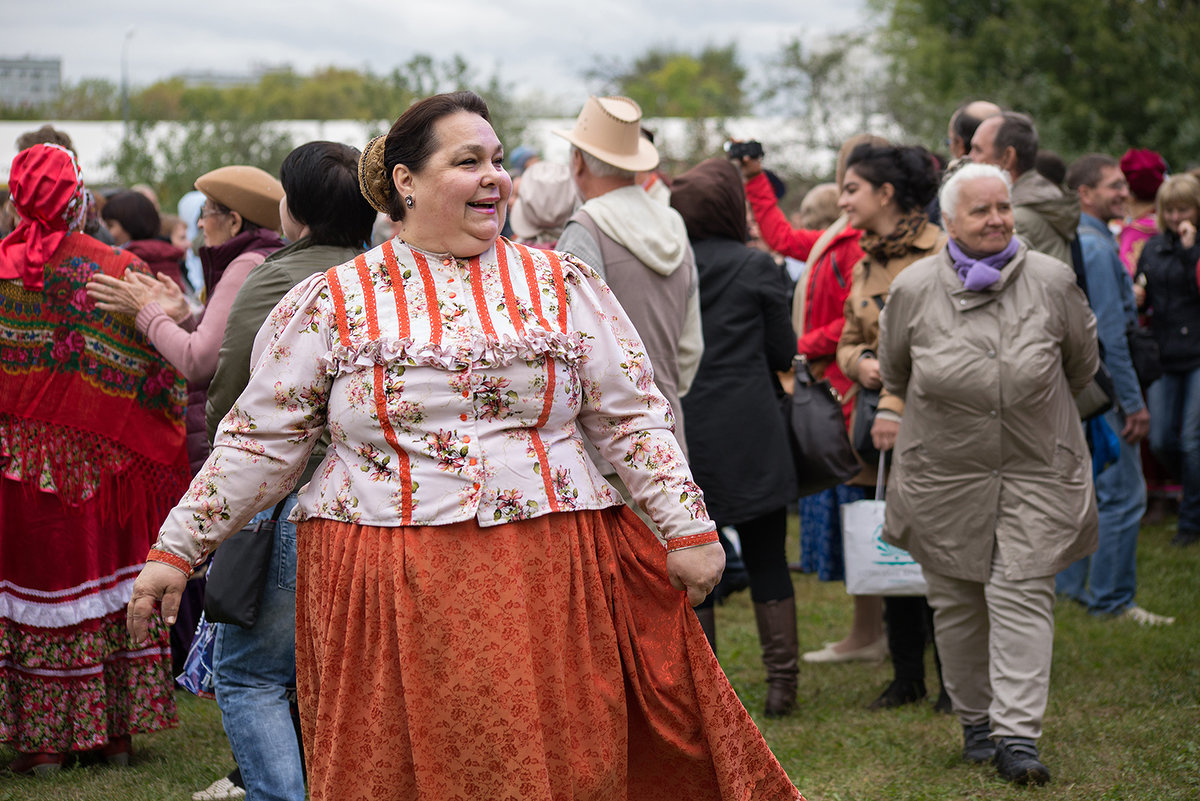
(542, 660)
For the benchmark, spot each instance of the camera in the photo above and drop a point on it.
(744, 150)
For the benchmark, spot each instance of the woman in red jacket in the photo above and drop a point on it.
(817, 316)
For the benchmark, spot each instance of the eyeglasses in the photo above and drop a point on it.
(207, 211)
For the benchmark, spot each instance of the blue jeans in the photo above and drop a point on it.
(1106, 581)
(1174, 402)
(254, 667)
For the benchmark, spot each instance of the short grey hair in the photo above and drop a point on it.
(948, 194)
(602, 169)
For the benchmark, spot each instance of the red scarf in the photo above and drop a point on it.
(47, 191)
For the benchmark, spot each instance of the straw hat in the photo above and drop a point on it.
(251, 192)
(609, 128)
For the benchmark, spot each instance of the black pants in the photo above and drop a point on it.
(764, 541)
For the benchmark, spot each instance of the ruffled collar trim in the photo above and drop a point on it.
(478, 351)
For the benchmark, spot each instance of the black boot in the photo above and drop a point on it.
(898, 693)
(904, 617)
(777, 634)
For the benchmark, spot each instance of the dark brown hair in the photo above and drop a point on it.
(411, 140)
(135, 213)
(1088, 170)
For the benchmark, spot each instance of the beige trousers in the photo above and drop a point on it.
(995, 640)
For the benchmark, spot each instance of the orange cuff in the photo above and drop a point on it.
(675, 543)
(171, 559)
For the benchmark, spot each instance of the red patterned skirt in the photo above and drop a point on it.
(70, 679)
(541, 660)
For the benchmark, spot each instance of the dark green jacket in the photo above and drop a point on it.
(265, 287)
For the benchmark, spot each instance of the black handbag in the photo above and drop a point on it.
(1143, 352)
(816, 429)
(238, 573)
(865, 407)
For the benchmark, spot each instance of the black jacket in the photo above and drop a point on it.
(737, 444)
(1173, 300)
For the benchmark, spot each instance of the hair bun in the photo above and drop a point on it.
(373, 181)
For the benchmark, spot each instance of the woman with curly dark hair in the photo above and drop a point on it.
(884, 194)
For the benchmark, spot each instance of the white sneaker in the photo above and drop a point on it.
(219, 790)
(1144, 618)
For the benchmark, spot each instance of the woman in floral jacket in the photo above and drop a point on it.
(477, 614)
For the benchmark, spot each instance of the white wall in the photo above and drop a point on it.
(782, 138)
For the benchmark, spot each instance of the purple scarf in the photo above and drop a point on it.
(979, 274)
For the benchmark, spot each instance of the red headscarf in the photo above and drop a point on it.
(47, 191)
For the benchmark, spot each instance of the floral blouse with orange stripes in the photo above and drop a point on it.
(451, 389)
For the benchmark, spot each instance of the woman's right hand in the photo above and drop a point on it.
(157, 582)
(1187, 234)
(868, 372)
(116, 295)
(697, 570)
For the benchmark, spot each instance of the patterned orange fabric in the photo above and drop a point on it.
(544, 660)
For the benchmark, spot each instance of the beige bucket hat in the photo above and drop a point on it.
(609, 128)
(251, 192)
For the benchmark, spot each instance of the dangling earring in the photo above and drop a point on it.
(408, 201)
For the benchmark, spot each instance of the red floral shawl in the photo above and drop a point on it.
(85, 400)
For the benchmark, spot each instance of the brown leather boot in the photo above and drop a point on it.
(708, 622)
(777, 633)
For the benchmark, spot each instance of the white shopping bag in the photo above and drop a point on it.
(874, 567)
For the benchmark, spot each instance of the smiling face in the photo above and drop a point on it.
(863, 203)
(983, 219)
(460, 196)
(1106, 200)
(1174, 215)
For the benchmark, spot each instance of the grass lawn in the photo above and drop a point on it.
(1123, 720)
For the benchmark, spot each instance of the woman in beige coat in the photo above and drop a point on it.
(991, 489)
(884, 193)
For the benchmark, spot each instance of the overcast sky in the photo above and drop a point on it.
(530, 43)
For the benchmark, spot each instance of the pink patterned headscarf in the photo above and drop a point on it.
(47, 191)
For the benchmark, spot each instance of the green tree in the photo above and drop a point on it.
(171, 157)
(831, 89)
(672, 83)
(231, 125)
(1103, 75)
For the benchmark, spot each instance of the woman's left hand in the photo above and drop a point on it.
(118, 296)
(883, 433)
(697, 570)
